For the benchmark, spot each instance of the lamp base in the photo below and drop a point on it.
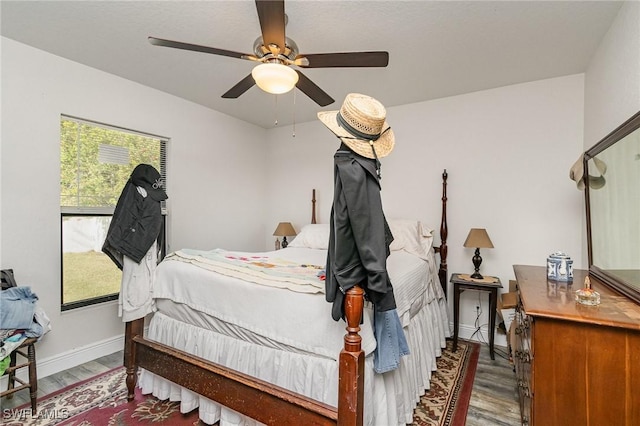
(285, 243)
(477, 261)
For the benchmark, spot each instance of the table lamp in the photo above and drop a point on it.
(478, 238)
(283, 230)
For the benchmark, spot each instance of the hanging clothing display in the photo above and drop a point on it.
(357, 253)
(131, 240)
(137, 218)
(360, 236)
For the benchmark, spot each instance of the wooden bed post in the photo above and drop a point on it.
(444, 231)
(313, 207)
(351, 374)
(132, 329)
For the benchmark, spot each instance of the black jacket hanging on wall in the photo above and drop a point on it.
(359, 236)
(137, 219)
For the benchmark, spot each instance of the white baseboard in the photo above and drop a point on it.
(70, 359)
(75, 357)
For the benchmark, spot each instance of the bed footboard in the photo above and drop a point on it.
(248, 395)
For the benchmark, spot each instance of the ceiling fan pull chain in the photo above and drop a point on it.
(294, 113)
(275, 110)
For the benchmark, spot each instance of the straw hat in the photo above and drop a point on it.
(576, 173)
(361, 125)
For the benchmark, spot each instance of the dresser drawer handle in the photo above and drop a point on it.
(524, 356)
(525, 388)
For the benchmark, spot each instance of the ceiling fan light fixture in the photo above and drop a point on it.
(274, 78)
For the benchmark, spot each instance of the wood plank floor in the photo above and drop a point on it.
(494, 400)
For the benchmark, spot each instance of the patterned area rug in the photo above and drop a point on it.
(447, 401)
(102, 400)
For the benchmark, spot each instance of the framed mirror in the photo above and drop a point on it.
(612, 194)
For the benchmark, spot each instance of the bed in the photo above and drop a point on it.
(247, 338)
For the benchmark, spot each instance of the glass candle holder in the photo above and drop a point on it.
(587, 295)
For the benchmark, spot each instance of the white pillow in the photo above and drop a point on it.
(411, 236)
(315, 236)
(408, 235)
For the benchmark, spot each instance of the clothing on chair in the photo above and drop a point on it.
(17, 307)
(19, 310)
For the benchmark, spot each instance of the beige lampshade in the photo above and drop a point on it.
(284, 229)
(478, 238)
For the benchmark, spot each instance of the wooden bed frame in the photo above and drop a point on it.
(255, 398)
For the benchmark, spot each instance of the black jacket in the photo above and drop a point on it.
(359, 235)
(136, 222)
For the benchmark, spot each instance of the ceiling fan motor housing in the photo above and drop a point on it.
(287, 55)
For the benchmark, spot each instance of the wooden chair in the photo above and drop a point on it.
(26, 350)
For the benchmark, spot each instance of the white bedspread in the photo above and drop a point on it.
(298, 320)
(263, 269)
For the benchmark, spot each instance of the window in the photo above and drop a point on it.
(96, 161)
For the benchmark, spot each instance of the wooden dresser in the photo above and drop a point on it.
(575, 364)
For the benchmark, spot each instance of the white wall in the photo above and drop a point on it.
(612, 80)
(213, 163)
(507, 152)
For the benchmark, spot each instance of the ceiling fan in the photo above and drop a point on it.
(277, 53)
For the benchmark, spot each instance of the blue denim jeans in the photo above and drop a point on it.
(391, 341)
(17, 307)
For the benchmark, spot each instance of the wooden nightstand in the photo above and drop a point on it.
(462, 282)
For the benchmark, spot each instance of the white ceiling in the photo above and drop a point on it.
(436, 48)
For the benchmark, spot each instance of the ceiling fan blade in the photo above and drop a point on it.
(272, 22)
(196, 48)
(237, 90)
(310, 89)
(337, 60)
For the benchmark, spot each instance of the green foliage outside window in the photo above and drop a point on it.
(87, 182)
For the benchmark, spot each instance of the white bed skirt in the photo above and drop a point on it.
(390, 398)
